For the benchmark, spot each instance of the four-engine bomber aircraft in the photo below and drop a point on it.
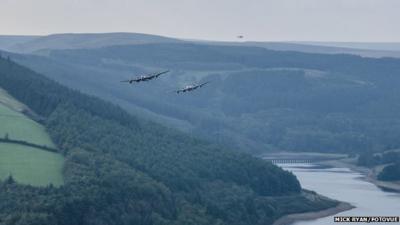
(191, 87)
(156, 75)
(145, 77)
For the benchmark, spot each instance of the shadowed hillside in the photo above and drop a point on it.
(121, 170)
(258, 99)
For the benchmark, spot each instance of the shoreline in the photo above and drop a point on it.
(333, 160)
(338, 160)
(369, 174)
(292, 218)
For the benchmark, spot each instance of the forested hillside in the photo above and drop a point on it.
(258, 99)
(121, 170)
(41, 44)
(389, 160)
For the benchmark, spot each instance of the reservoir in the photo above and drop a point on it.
(345, 185)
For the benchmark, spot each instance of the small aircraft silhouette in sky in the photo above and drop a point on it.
(191, 87)
(145, 77)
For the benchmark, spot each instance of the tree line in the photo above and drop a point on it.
(122, 170)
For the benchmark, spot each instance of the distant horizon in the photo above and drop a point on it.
(210, 40)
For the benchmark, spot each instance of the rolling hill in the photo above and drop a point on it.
(388, 46)
(76, 41)
(42, 44)
(26, 164)
(377, 51)
(259, 100)
(8, 41)
(120, 169)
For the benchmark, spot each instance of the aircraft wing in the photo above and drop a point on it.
(160, 73)
(201, 85)
(131, 80)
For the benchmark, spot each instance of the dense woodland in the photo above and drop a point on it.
(389, 158)
(122, 170)
(390, 173)
(259, 100)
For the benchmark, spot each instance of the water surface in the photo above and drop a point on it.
(345, 185)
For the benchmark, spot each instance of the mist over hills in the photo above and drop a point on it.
(122, 167)
(40, 44)
(76, 41)
(388, 46)
(8, 41)
(320, 47)
(122, 170)
(258, 100)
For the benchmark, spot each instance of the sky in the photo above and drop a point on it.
(256, 20)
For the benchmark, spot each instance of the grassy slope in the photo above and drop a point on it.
(184, 181)
(19, 127)
(27, 165)
(10, 102)
(30, 165)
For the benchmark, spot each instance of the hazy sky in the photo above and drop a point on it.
(267, 20)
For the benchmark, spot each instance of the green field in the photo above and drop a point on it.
(10, 102)
(27, 165)
(30, 165)
(20, 127)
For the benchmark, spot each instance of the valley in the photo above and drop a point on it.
(147, 172)
(264, 112)
(117, 139)
(258, 99)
